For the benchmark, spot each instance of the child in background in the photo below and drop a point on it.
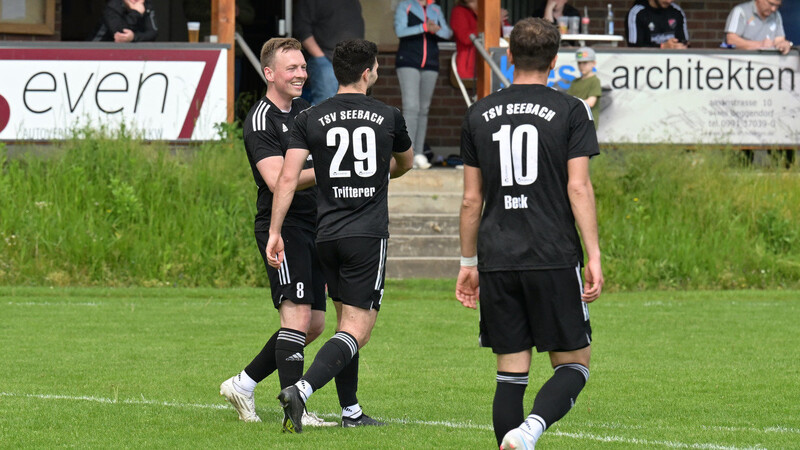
(587, 87)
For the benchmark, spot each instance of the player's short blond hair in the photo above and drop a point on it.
(275, 45)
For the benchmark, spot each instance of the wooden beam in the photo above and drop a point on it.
(223, 25)
(489, 25)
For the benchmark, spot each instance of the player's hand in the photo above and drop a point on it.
(467, 288)
(767, 43)
(592, 281)
(275, 250)
(433, 27)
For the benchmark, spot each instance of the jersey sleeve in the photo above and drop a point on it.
(298, 136)
(401, 140)
(468, 154)
(736, 21)
(263, 144)
(582, 135)
(637, 34)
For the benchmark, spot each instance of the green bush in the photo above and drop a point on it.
(118, 211)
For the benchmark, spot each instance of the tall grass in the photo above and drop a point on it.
(117, 211)
(701, 220)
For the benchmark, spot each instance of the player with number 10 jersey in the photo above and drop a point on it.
(522, 147)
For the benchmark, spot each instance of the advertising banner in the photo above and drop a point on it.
(156, 93)
(689, 97)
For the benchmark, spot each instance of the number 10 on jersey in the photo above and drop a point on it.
(517, 162)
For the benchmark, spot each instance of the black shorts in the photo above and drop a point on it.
(355, 269)
(533, 308)
(300, 277)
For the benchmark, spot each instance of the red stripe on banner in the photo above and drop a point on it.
(209, 57)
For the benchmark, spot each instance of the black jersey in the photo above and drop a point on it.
(351, 138)
(650, 27)
(266, 134)
(521, 139)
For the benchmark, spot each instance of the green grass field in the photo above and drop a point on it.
(103, 368)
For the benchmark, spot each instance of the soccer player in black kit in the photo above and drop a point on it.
(526, 153)
(298, 286)
(357, 143)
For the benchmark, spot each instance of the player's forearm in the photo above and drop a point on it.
(401, 163)
(469, 223)
(581, 198)
(280, 203)
(307, 179)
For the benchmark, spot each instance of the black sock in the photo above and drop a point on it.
(289, 355)
(507, 410)
(558, 394)
(264, 363)
(334, 356)
(347, 383)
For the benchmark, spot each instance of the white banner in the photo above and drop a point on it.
(169, 94)
(690, 97)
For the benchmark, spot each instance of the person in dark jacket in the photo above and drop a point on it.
(656, 23)
(420, 25)
(127, 21)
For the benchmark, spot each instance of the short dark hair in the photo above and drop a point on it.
(534, 44)
(273, 46)
(351, 58)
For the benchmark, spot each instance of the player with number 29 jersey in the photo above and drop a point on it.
(351, 138)
(527, 223)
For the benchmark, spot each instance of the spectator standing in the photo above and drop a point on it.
(127, 21)
(320, 25)
(656, 23)
(420, 25)
(587, 87)
(463, 22)
(757, 24)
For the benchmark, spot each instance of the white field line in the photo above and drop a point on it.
(126, 304)
(448, 424)
(52, 304)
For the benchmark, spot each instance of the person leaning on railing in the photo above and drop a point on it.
(755, 25)
(127, 21)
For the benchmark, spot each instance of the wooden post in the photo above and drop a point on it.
(489, 25)
(223, 25)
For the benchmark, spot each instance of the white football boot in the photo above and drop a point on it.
(312, 420)
(245, 405)
(518, 439)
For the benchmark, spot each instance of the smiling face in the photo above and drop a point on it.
(287, 73)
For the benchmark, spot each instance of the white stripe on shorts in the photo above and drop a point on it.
(580, 286)
(283, 271)
(381, 263)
